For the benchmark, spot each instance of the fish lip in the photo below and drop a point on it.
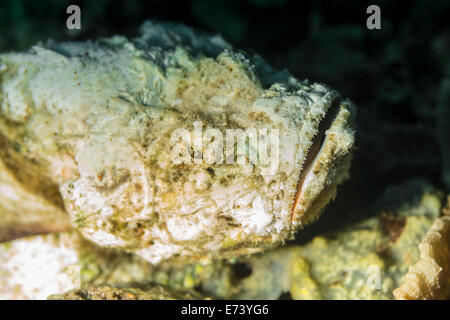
(306, 205)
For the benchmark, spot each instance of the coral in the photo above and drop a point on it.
(429, 278)
(37, 266)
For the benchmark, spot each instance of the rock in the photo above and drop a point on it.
(34, 267)
(112, 293)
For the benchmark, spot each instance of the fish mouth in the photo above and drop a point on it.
(326, 164)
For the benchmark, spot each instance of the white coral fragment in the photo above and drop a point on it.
(429, 278)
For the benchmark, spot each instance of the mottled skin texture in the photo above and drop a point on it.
(92, 125)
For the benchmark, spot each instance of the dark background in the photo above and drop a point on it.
(396, 76)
